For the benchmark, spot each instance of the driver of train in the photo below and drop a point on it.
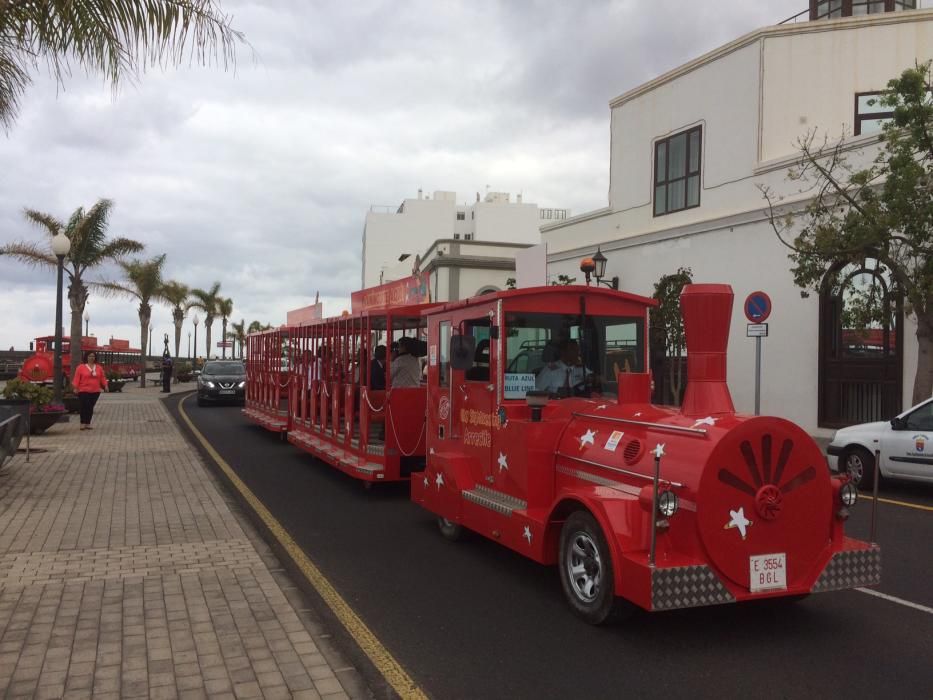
(566, 376)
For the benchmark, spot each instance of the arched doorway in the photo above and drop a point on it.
(861, 346)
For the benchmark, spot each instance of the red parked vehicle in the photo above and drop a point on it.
(117, 356)
(533, 426)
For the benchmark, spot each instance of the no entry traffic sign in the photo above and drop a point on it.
(757, 307)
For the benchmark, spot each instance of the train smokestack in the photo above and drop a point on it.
(707, 313)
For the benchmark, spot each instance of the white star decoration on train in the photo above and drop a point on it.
(426, 482)
(503, 462)
(738, 520)
(439, 480)
(709, 420)
(636, 415)
(602, 407)
(659, 450)
(527, 534)
(587, 438)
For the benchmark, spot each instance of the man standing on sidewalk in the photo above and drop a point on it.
(166, 372)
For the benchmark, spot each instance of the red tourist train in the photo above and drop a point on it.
(117, 356)
(534, 428)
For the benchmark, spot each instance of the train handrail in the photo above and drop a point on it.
(619, 470)
(646, 424)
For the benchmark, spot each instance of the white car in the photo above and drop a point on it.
(906, 445)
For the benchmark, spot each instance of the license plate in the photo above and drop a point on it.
(767, 572)
(226, 391)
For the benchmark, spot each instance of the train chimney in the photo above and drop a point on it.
(707, 313)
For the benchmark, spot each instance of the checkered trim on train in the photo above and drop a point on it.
(859, 567)
(687, 587)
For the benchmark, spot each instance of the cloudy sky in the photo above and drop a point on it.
(261, 177)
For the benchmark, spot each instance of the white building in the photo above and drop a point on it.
(689, 149)
(391, 234)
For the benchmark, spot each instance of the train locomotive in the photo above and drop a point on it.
(639, 506)
(533, 426)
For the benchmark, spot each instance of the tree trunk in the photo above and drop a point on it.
(923, 380)
(178, 316)
(223, 339)
(208, 322)
(145, 314)
(77, 300)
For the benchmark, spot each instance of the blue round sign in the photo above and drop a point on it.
(757, 307)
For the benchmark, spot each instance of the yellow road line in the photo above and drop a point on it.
(903, 504)
(386, 664)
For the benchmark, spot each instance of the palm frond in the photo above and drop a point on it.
(113, 289)
(47, 221)
(144, 277)
(118, 248)
(30, 253)
(119, 38)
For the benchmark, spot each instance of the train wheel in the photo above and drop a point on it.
(859, 464)
(451, 530)
(586, 568)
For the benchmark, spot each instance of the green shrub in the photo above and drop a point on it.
(37, 394)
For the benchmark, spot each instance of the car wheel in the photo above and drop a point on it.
(586, 572)
(859, 465)
(450, 530)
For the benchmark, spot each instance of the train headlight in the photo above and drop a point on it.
(848, 494)
(667, 503)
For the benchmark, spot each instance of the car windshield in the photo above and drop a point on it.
(224, 368)
(540, 347)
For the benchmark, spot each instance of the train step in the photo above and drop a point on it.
(495, 500)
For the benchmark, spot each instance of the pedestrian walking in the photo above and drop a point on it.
(166, 373)
(89, 381)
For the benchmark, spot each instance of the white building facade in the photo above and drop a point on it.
(393, 235)
(688, 153)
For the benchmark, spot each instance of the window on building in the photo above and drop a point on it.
(828, 9)
(461, 215)
(677, 172)
(870, 115)
(456, 236)
(468, 237)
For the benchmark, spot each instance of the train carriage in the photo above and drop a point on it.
(541, 436)
(268, 377)
(341, 413)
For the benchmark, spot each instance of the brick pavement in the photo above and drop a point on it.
(125, 572)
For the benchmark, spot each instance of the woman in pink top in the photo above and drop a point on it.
(88, 382)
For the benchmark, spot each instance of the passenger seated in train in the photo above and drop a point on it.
(406, 369)
(480, 369)
(566, 376)
(377, 369)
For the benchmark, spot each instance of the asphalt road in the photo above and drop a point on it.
(473, 620)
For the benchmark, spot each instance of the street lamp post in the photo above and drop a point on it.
(189, 346)
(87, 320)
(61, 245)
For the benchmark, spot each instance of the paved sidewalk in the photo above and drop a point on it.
(124, 572)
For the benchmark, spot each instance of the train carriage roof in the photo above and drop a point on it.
(551, 291)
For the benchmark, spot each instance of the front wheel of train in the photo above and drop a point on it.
(449, 529)
(586, 573)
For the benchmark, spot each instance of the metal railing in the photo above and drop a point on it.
(804, 16)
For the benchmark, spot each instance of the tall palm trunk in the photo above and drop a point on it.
(208, 322)
(223, 348)
(178, 316)
(77, 300)
(145, 315)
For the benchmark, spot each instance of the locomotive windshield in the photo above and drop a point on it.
(555, 353)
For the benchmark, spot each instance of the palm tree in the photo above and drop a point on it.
(254, 327)
(224, 309)
(143, 282)
(90, 249)
(175, 294)
(238, 334)
(113, 37)
(207, 301)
